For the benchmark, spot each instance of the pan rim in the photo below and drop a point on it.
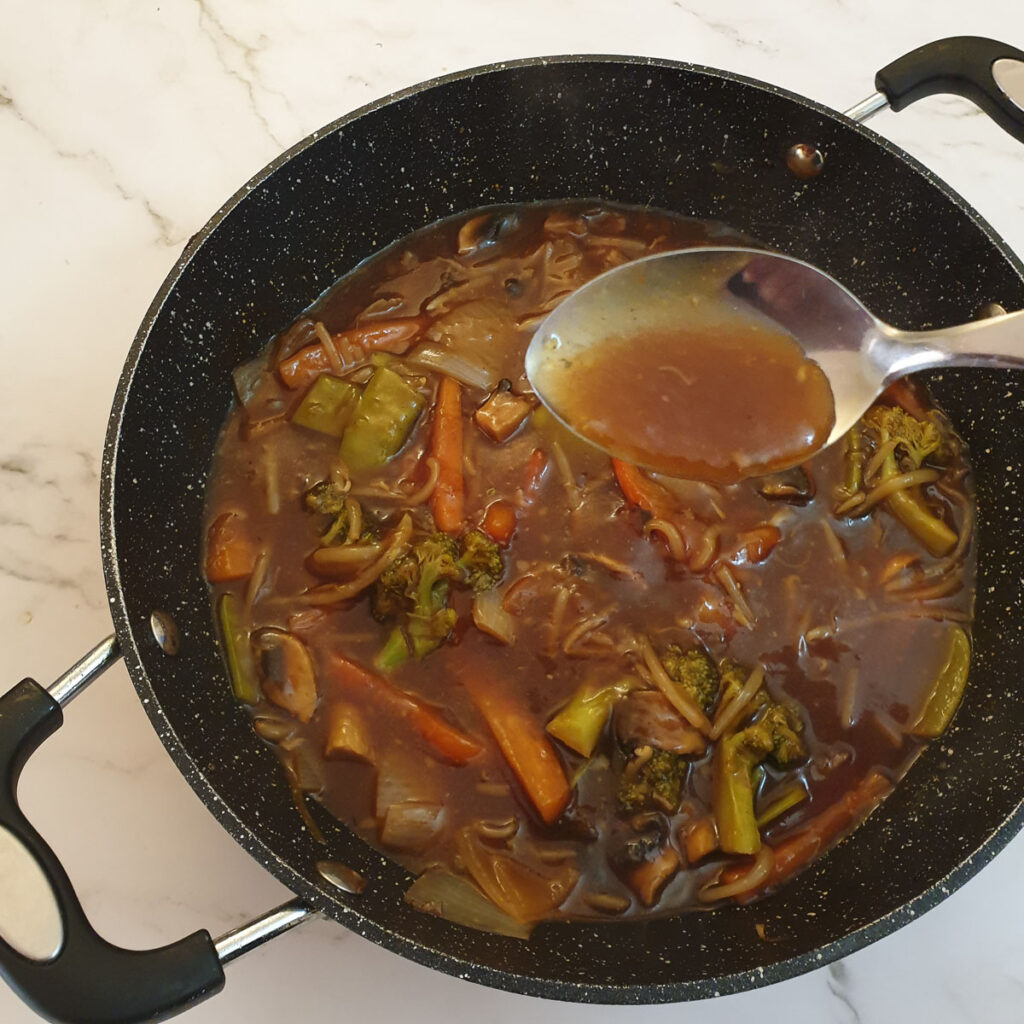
(350, 915)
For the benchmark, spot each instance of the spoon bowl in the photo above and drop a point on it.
(712, 288)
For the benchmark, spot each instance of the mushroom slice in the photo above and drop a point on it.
(286, 672)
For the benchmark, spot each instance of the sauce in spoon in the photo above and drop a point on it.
(716, 403)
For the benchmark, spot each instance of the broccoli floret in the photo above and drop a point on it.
(695, 672)
(776, 731)
(733, 675)
(395, 589)
(774, 734)
(326, 497)
(415, 591)
(915, 441)
(654, 784)
(331, 499)
(480, 561)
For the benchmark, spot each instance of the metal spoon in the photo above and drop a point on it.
(859, 353)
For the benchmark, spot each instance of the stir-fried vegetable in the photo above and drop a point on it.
(457, 899)
(480, 561)
(443, 740)
(524, 746)
(914, 441)
(327, 406)
(773, 734)
(241, 667)
(652, 781)
(230, 548)
(945, 698)
(499, 521)
(447, 499)
(347, 736)
(695, 673)
(286, 672)
(350, 348)
(523, 887)
(580, 723)
(384, 418)
(414, 590)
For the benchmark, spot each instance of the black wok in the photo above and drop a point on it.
(690, 139)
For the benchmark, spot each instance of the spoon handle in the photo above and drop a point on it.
(997, 342)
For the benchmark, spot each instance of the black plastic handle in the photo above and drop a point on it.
(89, 981)
(968, 66)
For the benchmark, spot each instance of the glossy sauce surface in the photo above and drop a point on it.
(717, 403)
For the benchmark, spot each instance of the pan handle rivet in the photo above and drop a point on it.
(165, 632)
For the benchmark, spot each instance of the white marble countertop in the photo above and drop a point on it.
(122, 128)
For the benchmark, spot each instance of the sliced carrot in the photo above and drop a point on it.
(447, 501)
(499, 521)
(387, 336)
(230, 548)
(523, 744)
(443, 739)
(640, 490)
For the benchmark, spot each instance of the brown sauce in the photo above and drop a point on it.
(709, 403)
(846, 612)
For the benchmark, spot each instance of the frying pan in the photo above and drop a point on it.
(691, 139)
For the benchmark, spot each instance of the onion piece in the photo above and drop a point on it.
(412, 825)
(759, 870)
(491, 618)
(457, 899)
(435, 359)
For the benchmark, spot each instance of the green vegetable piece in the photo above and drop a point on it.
(916, 440)
(773, 735)
(385, 415)
(416, 589)
(784, 802)
(695, 673)
(480, 561)
(948, 690)
(395, 651)
(657, 784)
(241, 667)
(580, 723)
(327, 406)
(733, 792)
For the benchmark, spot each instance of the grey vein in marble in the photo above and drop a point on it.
(219, 35)
(90, 157)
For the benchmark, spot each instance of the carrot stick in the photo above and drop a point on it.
(388, 336)
(499, 521)
(638, 489)
(447, 499)
(523, 744)
(230, 549)
(443, 739)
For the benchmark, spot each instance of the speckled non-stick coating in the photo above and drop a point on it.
(689, 139)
